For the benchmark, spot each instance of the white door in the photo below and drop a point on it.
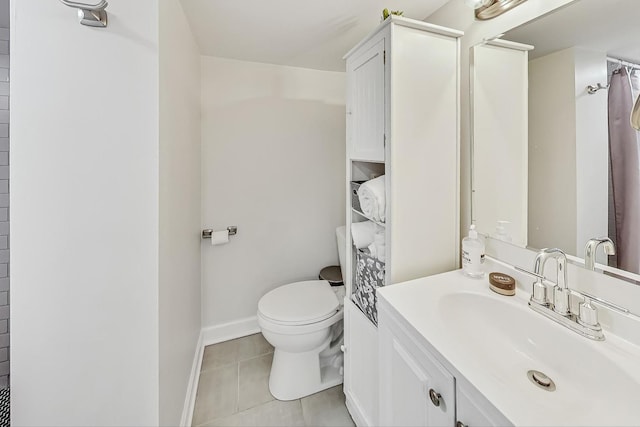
(365, 112)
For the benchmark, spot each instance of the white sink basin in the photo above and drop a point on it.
(509, 339)
(493, 341)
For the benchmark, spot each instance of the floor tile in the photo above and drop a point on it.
(253, 346)
(233, 390)
(326, 408)
(274, 413)
(254, 382)
(217, 394)
(218, 355)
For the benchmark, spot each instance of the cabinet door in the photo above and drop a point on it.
(414, 391)
(475, 411)
(360, 366)
(365, 111)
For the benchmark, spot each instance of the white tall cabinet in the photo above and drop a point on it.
(500, 102)
(403, 122)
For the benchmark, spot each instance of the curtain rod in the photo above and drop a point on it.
(591, 89)
(621, 62)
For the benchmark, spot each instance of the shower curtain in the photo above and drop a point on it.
(624, 155)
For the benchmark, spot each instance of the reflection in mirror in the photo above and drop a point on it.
(499, 88)
(489, 9)
(635, 115)
(560, 161)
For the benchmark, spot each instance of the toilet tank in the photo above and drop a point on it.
(341, 237)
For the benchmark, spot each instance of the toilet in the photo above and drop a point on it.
(303, 322)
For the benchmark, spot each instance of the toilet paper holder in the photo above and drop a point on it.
(207, 232)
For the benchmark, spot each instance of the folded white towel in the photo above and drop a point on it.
(363, 233)
(377, 251)
(372, 198)
(381, 252)
(373, 251)
(378, 238)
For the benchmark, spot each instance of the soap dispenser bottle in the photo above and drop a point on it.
(472, 254)
(501, 231)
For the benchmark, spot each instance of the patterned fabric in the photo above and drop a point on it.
(5, 416)
(369, 276)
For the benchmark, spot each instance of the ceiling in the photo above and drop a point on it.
(299, 33)
(611, 26)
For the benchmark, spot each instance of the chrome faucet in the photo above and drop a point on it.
(592, 247)
(558, 308)
(560, 291)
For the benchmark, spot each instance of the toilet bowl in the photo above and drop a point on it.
(303, 322)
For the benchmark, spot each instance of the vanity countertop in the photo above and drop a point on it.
(491, 341)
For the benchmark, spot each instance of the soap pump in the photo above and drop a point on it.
(472, 254)
(501, 231)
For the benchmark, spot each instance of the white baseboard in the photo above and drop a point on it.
(192, 387)
(208, 336)
(356, 413)
(231, 330)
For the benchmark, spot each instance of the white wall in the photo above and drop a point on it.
(273, 163)
(455, 14)
(84, 231)
(179, 300)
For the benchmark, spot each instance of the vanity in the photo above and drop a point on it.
(450, 350)
(461, 354)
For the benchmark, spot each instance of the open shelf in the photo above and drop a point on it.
(362, 170)
(381, 224)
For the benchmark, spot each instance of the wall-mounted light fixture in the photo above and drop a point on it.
(487, 9)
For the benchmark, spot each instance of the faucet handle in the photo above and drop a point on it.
(588, 314)
(539, 293)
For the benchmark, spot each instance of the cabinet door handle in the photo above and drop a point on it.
(435, 397)
(460, 424)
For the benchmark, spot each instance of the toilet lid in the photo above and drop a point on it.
(300, 303)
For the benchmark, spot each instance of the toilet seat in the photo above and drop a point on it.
(299, 303)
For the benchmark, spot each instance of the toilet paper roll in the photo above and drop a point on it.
(219, 237)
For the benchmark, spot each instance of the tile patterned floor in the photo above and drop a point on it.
(234, 391)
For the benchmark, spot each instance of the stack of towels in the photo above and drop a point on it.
(372, 199)
(368, 234)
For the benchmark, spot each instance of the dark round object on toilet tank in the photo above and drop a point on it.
(331, 274)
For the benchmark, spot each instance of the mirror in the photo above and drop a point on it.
(543, 112)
